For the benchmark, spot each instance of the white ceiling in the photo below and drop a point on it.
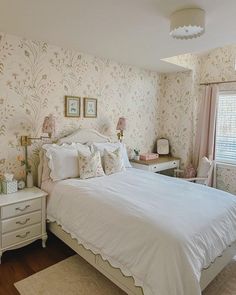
(135, 32)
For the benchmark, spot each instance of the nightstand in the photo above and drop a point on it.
(161, 164)
(23, 218)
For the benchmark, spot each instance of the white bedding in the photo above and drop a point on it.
(162, 231)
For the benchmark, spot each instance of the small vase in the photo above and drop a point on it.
(136, 157)
(29, 180)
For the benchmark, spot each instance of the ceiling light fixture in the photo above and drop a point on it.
(187, 23)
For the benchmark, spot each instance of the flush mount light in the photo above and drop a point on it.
(187, 23)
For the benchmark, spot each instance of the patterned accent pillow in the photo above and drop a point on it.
(113, 161)
(90, 166)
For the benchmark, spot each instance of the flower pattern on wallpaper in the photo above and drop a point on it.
(181, 98)
(35, 77)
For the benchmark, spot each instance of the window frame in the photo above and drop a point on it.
(229, 162)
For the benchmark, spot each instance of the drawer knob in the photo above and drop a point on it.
(23, 209)
(23, 236)
(23, 222)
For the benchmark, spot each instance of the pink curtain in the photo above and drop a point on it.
(206, 127)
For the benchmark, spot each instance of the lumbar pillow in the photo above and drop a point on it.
(111, 147)
(90, 165)
(113, 161)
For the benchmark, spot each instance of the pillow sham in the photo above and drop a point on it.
(62, 160)
(111, 147)
(90, 165)
(113, 161)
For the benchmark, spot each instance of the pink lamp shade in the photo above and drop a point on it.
(121, 125)
(49, 125)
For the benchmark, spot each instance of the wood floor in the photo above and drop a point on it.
(19, 264)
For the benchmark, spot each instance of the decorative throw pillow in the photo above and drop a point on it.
(111, 147)
(190, 172)
(113, 161)
(90, 166)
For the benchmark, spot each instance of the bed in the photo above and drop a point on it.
(149, 234)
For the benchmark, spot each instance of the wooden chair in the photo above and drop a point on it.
(200, 179)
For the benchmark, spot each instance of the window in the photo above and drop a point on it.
(226, 128)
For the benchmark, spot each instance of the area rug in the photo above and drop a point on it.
(74, 276)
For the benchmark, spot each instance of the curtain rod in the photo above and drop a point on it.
(218, 82)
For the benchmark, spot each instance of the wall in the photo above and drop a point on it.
(35, 77)
(181, 98)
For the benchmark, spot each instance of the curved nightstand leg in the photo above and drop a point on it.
(44, 240)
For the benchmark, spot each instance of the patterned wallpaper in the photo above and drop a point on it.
(35, 77)
(182, 96)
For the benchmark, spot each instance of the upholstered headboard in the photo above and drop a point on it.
(82, 136)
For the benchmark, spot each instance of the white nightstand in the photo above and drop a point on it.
(157, 165)
(23, 218)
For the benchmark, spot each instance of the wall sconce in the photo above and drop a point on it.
(48, 127)
(121, 126)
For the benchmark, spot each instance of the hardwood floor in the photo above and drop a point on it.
(21, 263)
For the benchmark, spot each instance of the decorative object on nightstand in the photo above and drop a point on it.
(163, 147)
(149, 156)
(23, 219)
(49, 128)
(158, 165)
(121, 126)
(136, 154)
(9, 184)
(21, 184)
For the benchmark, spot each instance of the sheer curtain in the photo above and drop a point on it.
(206, 127)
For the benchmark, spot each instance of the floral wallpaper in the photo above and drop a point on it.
(181, 97)
(35, 77)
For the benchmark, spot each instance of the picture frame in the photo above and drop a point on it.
(72, 106)
(90, 107)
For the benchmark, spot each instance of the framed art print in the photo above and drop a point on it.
(72, 106)
(90, 107)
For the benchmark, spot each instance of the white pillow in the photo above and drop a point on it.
(63, 160)
(113, 161)
(111, 147)
(90, 165)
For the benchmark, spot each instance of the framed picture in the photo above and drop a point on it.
(90, 107)
(72, 106)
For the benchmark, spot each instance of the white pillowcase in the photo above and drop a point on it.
(111, 147)
(63, 159)
(113, 161)
(90, 165)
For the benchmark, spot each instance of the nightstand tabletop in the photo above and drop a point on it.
(21, 195)
(161, 159)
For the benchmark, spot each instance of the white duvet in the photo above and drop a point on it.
(162, 231)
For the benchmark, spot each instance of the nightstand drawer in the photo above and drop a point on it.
(164, 166)
(20, 208)
(22, 235)
(21, 221)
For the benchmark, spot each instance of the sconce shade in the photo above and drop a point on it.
(49, 125)
(121, 124)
